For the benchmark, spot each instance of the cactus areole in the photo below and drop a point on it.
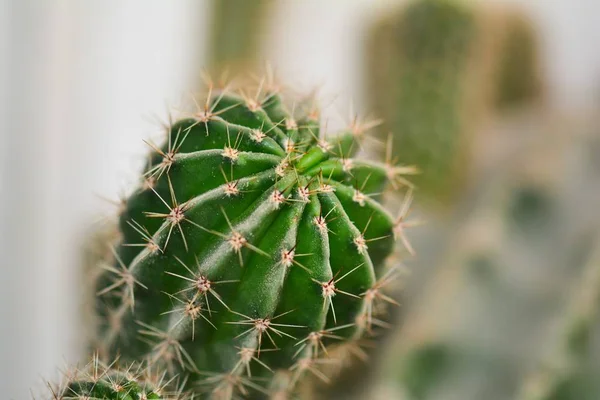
(252, 245)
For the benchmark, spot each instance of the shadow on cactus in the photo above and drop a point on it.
(252, 246)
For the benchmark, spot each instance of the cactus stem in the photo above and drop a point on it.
(306, 202)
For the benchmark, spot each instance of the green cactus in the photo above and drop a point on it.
(101, 382)
(237, 27)
(417, 69)
(519, 79)
(252, 244)
(435, 70)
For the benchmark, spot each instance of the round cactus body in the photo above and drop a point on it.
(252, 245)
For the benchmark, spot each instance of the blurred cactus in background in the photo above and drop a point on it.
(518, 273)
(570, 370)
(236, 36)
(518, 75)
(436, 69)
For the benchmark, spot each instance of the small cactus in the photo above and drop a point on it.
(252, 245)
(101, 382)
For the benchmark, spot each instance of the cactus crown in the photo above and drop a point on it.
(252, 245)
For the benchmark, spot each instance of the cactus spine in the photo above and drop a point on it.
(101, 382)
(252, 244)
(416, 83)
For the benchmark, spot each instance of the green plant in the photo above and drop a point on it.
(101, 382)
(519, 79)
(436, 69)
(252, 245)
(237, 30)
(418, 66)
(522, 256)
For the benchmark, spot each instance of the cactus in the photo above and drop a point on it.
(252, 246)
(237, 28)
(102, 382)
(435, 70)
(522, 252)
(519, 78)
(417, 70)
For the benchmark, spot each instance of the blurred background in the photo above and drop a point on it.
(496, 102)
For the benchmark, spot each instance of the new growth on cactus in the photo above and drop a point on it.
(253, 245)
(107, 382)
